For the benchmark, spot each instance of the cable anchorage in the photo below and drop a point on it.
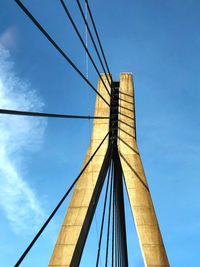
(114, 112)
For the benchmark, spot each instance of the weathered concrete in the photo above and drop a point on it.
(147, 227)
(71, 239)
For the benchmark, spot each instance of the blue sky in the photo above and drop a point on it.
(159, 41)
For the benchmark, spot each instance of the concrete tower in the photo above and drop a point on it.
(70, 243)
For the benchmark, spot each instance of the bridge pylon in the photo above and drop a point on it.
(118, 154)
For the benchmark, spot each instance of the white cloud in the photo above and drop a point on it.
(17, 135)
(8, 37)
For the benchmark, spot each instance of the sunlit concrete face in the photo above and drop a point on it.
(71, 239)
(146, 223)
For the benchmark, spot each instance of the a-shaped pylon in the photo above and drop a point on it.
(121, 146)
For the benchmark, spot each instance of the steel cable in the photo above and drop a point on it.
(103, 216)
(83, 43)
(97, 35)
(93, 41)
(50, 39)
(49, 115)
(57, 207)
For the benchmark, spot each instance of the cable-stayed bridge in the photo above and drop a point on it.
(112, 162)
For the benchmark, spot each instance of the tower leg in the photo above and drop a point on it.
(70, 243)
(147, 227)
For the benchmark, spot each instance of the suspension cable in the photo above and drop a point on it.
(113, 225)
(50, 39)
(83, 43)
(58, 206)
(122, 242)
(103, 217)
(109, 220)
(93, 41)
(116, 232)
(49, 115)
(97, 35)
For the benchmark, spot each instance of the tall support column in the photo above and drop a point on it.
(126, 158)
(70, 243)
(147, 227)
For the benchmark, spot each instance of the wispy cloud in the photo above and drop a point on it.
(8, 37)
(17, 135)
